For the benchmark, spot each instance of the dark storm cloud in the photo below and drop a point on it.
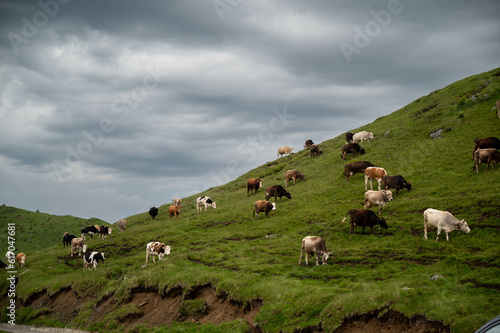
(130, 104)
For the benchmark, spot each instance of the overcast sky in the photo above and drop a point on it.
(110, 107)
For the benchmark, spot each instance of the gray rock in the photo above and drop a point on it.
(387, 133)
(436, 277)
(436, 133)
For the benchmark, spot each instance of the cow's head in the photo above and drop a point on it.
(383, 223)
(102, 255)
(362, 150)
(214, 205)
(260, 183)
(273, 205)
(462, 225)
(287, 194)
(324, 256)
(370, 135)
(387, 195)
(167, 249)
(408, 186)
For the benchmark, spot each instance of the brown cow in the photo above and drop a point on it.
(348, 137)
(308, 144)
(380, 198)
(355, 167)
(314, 245)
(122, 225)
(315, 151)
(364, 218)
(293, 175)
(78, 243)
(488, 155)
(21, 259)
(263, 206)
(277, 191)
(351, 148)
(174, 210)
(376, 173)
(253, 185)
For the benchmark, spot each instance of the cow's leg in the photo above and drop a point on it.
(447, 238)
(317, 258)
(363, 231)
(379, 183)
(301, 253)
(425, 229)
(366, 183)
(438, 232)
(307, 253)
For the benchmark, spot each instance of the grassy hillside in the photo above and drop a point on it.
(225, 257)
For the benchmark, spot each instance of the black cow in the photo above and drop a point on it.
(90, 230)
(355, 167)
(153, 211)
(349, 137)
(277, 191)
(103, 231)
(67, 239)
(397, 182)
(92, 259)
(308, 144)
(364, 218)
(351, 148)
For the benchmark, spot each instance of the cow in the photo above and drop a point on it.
(363, 135)
(277, 191)
(380, 198)
(176, 201)
(293, 175)
(67, 239)
(308, 144)
(157, 249)
(253, 185)
(443, 220)
(263, 206)
(489, 142)
(90, 231)
(174, 210)
(374, 173)
(348, 137)
(283, 151)
(204, 201)
(153, 212)
(397, 182)
(315, 151)
(78, 243)
(103, 232)
(122, 225)
(351, 148)
(91, 259)
(355, 167)
(314, 245)
(21, 259)
(486, 155)
(364, 218)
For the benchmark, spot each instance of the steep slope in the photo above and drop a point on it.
(225, 256)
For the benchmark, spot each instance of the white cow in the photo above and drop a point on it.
(157, 249)
(91, 259)
(78, 243)
(380, 198)
(314, 245)
(122, 225)
(443, 220)
(285, 150)
(204, 201)
(363, 135)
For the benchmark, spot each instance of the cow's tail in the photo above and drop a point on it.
(254, 212)
(345, 217)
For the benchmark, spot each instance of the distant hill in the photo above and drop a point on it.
(231, 272)
(36, 231)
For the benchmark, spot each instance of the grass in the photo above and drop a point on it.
(257, 258)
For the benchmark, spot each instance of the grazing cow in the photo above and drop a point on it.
(363, 135)
(263, 206)
(374, 173)
(156, 249)
(285, 150)
(487, 155)
(348, 137)
(2, 264)
(277, 191)
(397, 182)
(308, 144)
(489, 142)
(67, 239)
(443, 220)
(253, 185)
(351, 148)
(122, 225)
(21, 259)
(315, 151)
(91, 259)
(380, 198)
(90, 231)
(364, 218)
(314, 245)
(103, 232)
(355, 167)
(293, 175)
(153, 212)
(204, 201)
(174, 210)
(176, 201)
(78, 243)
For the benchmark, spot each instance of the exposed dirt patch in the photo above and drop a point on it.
(483, 285)
(387, 321)
(215, 224)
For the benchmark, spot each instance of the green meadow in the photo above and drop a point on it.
(254, 262)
